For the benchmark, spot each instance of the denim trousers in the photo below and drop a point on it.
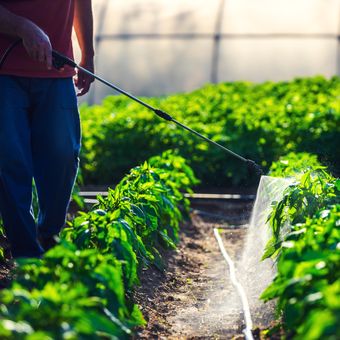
(40, 141)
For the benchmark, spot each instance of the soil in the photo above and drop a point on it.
(194, 298)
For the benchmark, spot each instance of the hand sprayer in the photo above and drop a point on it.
(60, 60)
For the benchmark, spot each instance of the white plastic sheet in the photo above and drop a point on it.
(157, 47)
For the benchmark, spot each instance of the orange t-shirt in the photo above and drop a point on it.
(55, 18)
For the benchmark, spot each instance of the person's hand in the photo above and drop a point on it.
(37, 44)
(83, 80)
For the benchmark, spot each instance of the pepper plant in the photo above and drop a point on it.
(80, 288)
(305, 244)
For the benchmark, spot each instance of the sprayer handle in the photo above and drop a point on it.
(163, 114)
(59, 60)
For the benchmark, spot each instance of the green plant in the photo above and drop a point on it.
(139, 216)
(79, 201)
(314, 190)
(70, 294)
(294, 164)
(305, 244)
(307, 285)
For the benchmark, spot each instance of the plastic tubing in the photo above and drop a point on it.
(245, 305)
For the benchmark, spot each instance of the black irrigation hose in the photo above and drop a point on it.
(219, 217)
(8, 51)
(59, 60)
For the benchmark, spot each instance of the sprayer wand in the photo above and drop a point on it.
(59, 60)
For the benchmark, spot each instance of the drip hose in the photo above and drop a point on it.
(244, 300)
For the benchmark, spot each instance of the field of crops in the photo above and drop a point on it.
(84, 287)
(261, 122)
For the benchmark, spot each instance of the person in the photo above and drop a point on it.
(39, 119)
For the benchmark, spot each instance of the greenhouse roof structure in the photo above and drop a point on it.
(157, 47)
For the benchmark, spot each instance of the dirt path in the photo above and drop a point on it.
(194, 299)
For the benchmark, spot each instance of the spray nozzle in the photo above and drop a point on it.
(252, 166)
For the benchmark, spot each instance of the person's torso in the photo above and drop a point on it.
(55, 18)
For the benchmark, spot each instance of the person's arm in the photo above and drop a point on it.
(83, 25)
(34, 39)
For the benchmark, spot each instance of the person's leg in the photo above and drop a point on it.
(16, 168)
(55, 150)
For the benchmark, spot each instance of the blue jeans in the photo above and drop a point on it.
(40, 140)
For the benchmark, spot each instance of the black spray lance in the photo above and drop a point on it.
(59, 61)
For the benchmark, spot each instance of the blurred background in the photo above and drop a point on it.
(158, 47)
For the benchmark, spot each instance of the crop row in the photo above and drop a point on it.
(259, 121)
(306, 245)
(80, 288)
